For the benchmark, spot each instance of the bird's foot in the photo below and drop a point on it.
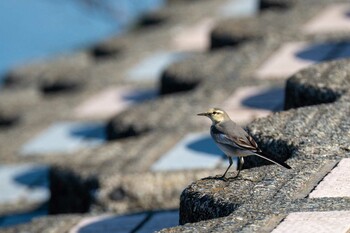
(210, 178)
(233, 177)
(215, 178)
(223, 178)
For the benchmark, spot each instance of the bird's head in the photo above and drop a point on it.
(216, 115)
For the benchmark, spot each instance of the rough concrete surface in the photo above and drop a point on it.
(324, 83)
(312, 136)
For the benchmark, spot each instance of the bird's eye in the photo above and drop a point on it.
(215, 113)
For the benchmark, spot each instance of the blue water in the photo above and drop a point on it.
(42, 28)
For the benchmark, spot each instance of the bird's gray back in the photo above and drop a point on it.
(228, 127)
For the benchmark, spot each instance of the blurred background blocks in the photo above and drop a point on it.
(239, 8)
(24, 183)
(65, 137)
(249, 103)
(292, 57)
(335, 18)
(194, 151)
(151, 67)
(112, 101)
(194, 37)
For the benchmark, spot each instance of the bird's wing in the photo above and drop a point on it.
(237, 138)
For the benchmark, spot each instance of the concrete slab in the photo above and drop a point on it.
(249, 103)
(65, 137)
(24, 183)
(193, 38)
(194, 151)
(238, 9)
(112, 101)
(152, 67)
(335, 18)
(315, 222)
(293, 57)
(109, 223)
(159, 221)
(336, 183)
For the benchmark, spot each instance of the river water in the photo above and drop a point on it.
(38, 29)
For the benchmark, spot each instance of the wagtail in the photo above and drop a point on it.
(233, 140)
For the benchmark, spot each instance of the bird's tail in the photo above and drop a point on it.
(268, 158)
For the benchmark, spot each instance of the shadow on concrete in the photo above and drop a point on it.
(149, 221)
(86, 132)
(139, 96)
(325, 51)
(109, 223)
(347, 14)
(205, 145)
(316, 52)
(267, 99)
(20, 218)
(34, 178)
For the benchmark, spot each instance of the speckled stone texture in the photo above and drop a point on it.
(13, 104)
(213, 198)
(323, 83)
(308, 137)
(140, 191)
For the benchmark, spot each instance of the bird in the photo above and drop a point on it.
(233, 140)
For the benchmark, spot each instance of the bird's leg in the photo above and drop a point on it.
(231, 162)
(241, 162)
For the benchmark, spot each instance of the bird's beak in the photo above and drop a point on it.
(202, 114)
